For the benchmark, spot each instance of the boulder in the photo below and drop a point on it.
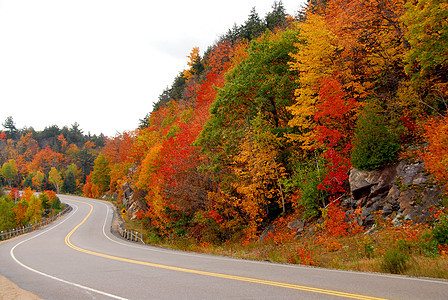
(371, 183)
(361, 182)
(266, 231)
(296, 225)
(405, 188)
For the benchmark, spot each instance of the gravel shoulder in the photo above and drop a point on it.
(10, 290)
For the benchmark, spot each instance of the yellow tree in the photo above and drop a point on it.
(9, 171)
(38, 179)
(194, 63)
(315, 59)
(34, 209)
(55, 178)
(258, 175)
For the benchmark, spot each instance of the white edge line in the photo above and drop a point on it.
(53, 277)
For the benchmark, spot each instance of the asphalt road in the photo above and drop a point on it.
(78, 258)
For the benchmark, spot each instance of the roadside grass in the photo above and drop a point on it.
(407, 250)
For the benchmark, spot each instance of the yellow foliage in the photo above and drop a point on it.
(315, 59)
(148, 167)
(194, 57)
(258, 173)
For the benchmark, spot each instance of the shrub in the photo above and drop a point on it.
(334, 223)
(375, 144)
(366, 247)
(307, 198)
(302, 256)
(428, 245)
(395, 260)
(440, 230)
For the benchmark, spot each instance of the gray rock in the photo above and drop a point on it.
(361, 182)
(369, 220)
(296, 225)
(404, 187)
(399, 219)
(266, 231)
(385, 181)
(409, 172)
(387, 210)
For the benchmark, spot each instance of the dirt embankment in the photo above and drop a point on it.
(10, 290)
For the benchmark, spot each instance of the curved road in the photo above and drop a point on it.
(78, 258)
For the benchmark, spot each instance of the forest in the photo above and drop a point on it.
(266, 124)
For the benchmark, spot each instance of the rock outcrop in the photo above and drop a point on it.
(405, 189)
(131, 201)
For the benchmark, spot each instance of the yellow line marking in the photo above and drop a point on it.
(210, 274)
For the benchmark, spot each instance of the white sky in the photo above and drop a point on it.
(103, 63)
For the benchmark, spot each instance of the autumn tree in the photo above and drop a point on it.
(45, 159)
(55, 178)
(426, 57)
(259, 172)
(335, 119)
(436, 155)
(6, 213)
(9, 172)
(101, 173)
(314, 60)
(38, 179)
(34, 209)
(258, 86)
(195, 64)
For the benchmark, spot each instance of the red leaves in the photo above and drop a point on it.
(337, 172)
(335, 224)
(118, 149)
(213, 214)
(45, 159)
(334, 113)
(334, 104)
(20, 211)
(436, 157)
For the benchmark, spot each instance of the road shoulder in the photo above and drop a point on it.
(10, 290)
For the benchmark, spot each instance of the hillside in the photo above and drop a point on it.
(270, 124)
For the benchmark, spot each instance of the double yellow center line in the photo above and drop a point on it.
(210, 274)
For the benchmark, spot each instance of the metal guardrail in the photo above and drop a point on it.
(133, 236)
(7, 234)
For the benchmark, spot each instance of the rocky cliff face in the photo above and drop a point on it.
(132, 201)
(404, 188)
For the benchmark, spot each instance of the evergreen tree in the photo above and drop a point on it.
(277, 17)
(375, 143)
(11, 130)
(253, 27)
(69, 184)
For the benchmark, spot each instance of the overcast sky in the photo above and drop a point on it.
(103, 63)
